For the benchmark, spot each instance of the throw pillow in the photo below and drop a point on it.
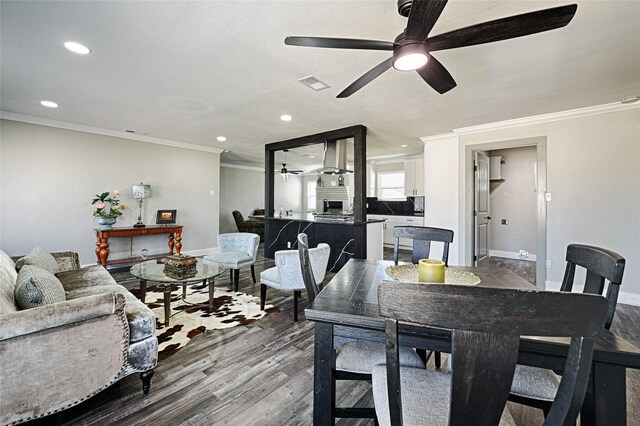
(37, 287)
(40, 258)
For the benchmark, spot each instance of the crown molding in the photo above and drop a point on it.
(105, 132)
(439, 138)
(546, 118)
(237, 166)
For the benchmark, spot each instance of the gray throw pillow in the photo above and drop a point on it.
(37, 287)
(40, 258)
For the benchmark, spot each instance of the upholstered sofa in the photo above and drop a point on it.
(58, 355)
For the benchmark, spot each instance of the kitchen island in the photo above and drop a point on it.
(347, 237)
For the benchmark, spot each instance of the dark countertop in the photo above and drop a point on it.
(309, 217)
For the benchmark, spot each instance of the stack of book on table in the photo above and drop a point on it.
(180, 267)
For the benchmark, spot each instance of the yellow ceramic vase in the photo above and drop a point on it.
(430, 271)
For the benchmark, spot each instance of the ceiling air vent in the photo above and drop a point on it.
(314, 83)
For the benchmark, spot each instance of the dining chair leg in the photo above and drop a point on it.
(263, 295)
(437, 359)
(236, 279)
(296, 296)
(253, 274)
(230, 275)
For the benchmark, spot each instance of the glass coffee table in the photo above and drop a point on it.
(153, 270)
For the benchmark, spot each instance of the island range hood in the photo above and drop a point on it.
(335, 158)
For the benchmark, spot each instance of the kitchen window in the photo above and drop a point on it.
(311, 195)
(391, 185)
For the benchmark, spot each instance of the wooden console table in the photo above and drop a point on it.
(103, 235)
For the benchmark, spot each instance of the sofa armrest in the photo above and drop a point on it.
(67, 260)
(61, 314)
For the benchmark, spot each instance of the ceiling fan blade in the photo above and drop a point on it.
(366, 78)
(505, 28)
(437, 76)
(339, 43)
(423, 17)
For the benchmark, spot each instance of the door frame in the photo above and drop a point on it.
(476, 208)
(540, 143)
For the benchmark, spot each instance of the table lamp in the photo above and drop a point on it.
(140, 192)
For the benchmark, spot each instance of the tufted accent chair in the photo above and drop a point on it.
(237, 250)
(287, 274)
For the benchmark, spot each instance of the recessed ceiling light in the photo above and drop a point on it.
(404, 145)
(221, 139)
(77, 48)
(49, 104)
(285, 117)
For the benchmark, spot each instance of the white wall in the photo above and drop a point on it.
(441, 191)
(242, 189)
(593, 174)
(48, 177)
(514, 199)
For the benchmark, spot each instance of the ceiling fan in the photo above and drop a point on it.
(284, 172)
(412, 48)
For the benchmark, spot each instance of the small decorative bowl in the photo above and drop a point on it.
(452, 274)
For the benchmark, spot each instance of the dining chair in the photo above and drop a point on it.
(237, 250)
(358, 351)
(537, 387)
(485, 344)
(287, 275)
(422, 237)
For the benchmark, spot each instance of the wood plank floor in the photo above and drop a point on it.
(261, 374)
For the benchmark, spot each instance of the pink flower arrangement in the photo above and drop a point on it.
(107, 204)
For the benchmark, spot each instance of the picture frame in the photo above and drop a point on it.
(166, 217)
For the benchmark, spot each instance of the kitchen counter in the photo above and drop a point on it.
(347, 238)
(321, 218)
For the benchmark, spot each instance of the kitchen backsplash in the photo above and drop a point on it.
(413, 206)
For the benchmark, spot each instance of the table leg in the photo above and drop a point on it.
(143, 290)
(167, 304)
(212, 283)
(178, 241)
(324, 383)
(171, 244)
(102, 251)
(184, 292)
(607, 405)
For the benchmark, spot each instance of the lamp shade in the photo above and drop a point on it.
(141, 191)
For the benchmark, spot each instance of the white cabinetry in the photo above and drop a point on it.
(413, 177)
(391, 221)
(495, 168)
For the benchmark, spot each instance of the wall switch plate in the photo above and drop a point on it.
(504, 221)
(548, 264)
(547, 196)
(212, 192)
(504, 194)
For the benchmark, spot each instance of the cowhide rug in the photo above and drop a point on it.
(192, 317)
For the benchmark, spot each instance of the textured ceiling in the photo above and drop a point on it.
(190, 71)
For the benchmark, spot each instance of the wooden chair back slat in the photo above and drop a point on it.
(601, 264)
(422, 237)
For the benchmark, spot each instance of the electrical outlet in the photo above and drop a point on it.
(547, 196)
(504, 221)
(212, 192)
(548, 264)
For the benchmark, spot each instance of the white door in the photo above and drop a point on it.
(481, 209)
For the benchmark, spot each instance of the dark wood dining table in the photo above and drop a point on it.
(350, 301)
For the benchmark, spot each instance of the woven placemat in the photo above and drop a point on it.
(452, 274)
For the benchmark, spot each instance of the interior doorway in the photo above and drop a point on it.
(505, 207)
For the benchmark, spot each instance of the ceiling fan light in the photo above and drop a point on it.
(410, 62)
(410, 57)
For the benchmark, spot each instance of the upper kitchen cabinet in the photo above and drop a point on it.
(414, 176)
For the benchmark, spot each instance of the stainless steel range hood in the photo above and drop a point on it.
(335, 158)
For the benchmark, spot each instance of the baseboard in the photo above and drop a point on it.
(623, 296)
(512, 255)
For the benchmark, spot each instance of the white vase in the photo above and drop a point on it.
(106, 221)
